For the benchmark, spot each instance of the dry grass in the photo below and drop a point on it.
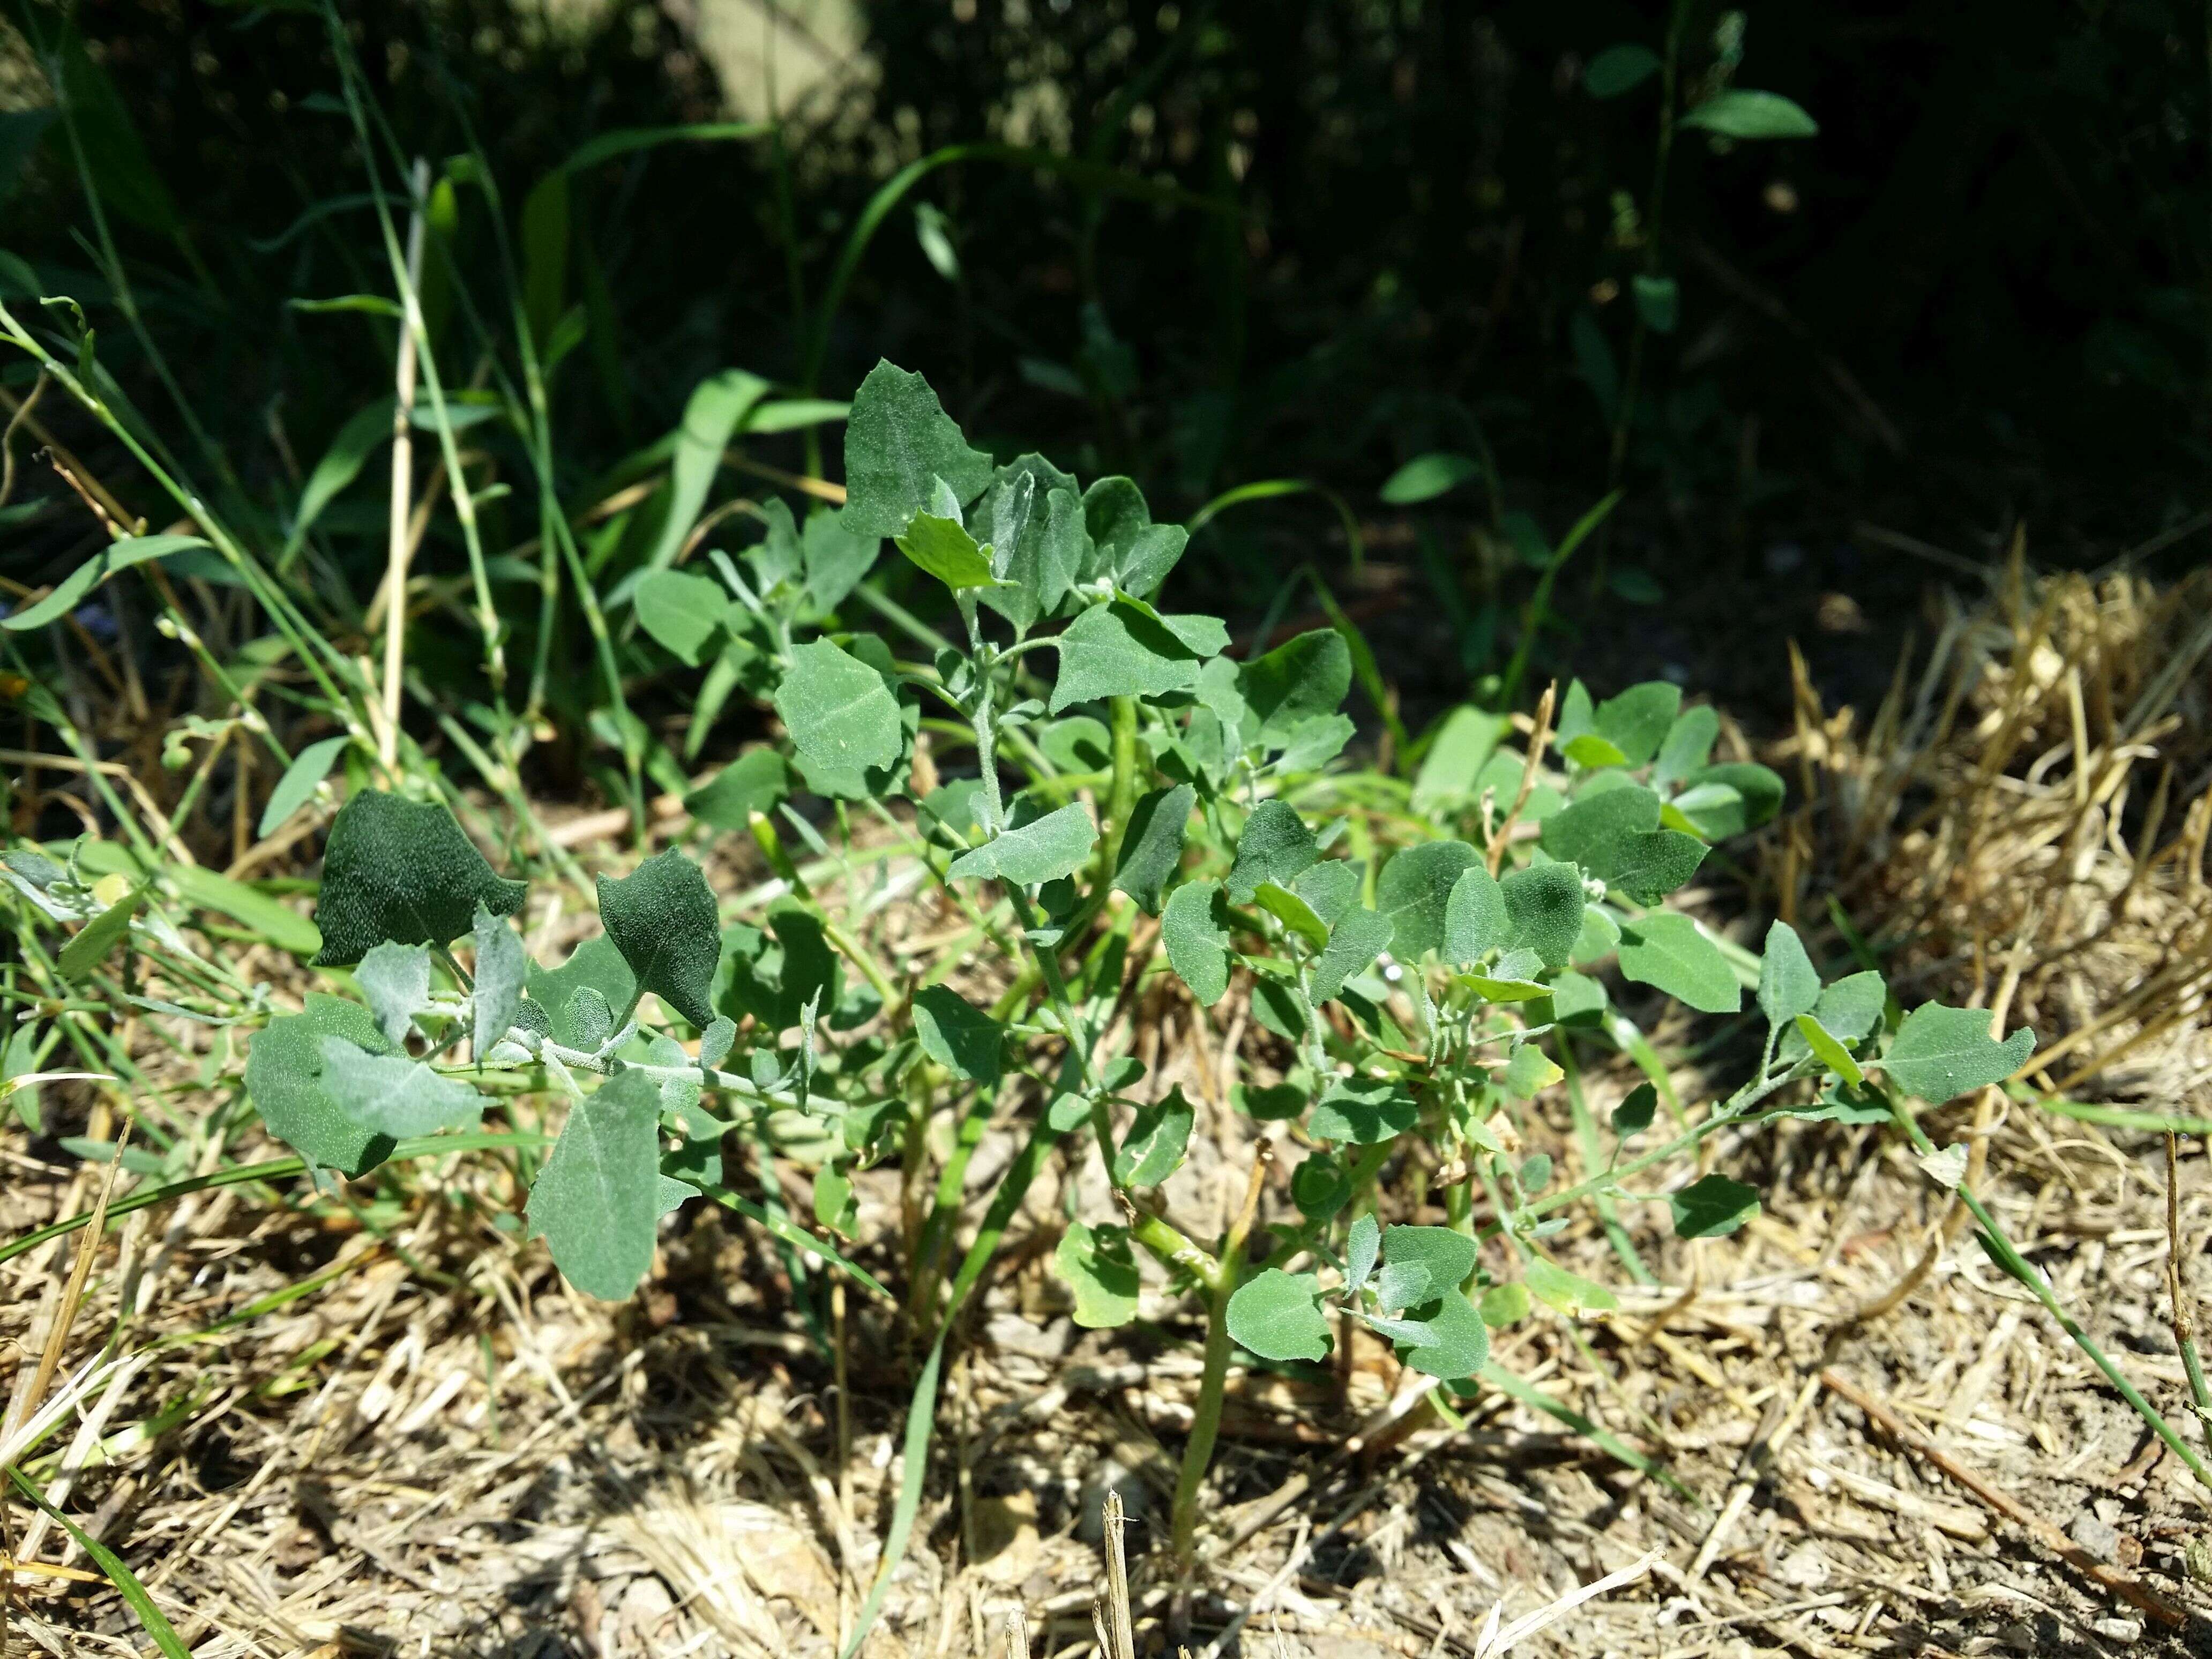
(439, 1450)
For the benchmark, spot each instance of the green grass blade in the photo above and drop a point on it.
(794, 1236)
(125, 1581)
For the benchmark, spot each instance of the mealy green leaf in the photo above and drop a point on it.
(1941, 1052)
(1127, 544)
(1545, 903)
(1277, 1315)
(1331, 887)
(1362, 1245)
(1454, 759)
(1848, 1011)
(944, 547)
(754, 782)
(1647, 866)
(957, 1036)
(1152, 846)
(662, 918)
(393, 1094)
(396, 980)
(1420, 1264)
(1057, 844)
(840, 716)
(596, 1202)
(1816, 1038)
(1589, 831)
(834, 557)
(1448, 1341)
(1363, 1111)
(402, 871)
(1196, 936)
(1788, 984)
(1293, 912)
(1098, 1265)
(1569, 1293)
(898, 442)
(684, 614)
(1739, 113)
(1688, 746)
(1356, 939)
(1712, 1206)
(308, 769)
(595, 966)
(284, 1079)
(1276, 845)
(1475, 917)
(495, 995)
(1668, 951)
(1758, 796)
(1301, 677)
(1414, 891)
(1638, 721)
(1277, 1102)
(1153, 1149)
(1115, 650)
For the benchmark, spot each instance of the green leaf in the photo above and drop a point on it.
(396, 980)
(1816, 1038)
(1320, 1186)
(402, 871)
(595, 966)
(1363, 1111)
(92, 943)
(834, 559)
(1293, 912)
(1196, 935)
(495, 996)
(1331, 887)
(1115, 650)
(1638, 721)
(308, 769)
(1152, 846)
(1032, 517)
(1300, 678)
(1545, 903)
(713, 414)
(1646, 867)
(1788, 984)
(1569, 1293)
(834, 1206)
(1712, 1206)
(284, 1079)
(754, 782)
(1739, 113)
(1414, 892)
(1634, 1114)
(393, 1095)
(1659, 305)
(1447, 1342)
(1056, 845)
(684, 614)
(1591, 751)
(1427, 476)
(1669, 952)
(1361, 1246)
(1420, 1264)
(944, 547)
(1274, 846)
(1358, 938)
(1127, 545)
(1475, 917)
(1940, 1054)
(663, 919)
(1097, 1264)
(111, 560)
(841, 717)
(1153, 1149)
(961, 1038)
(1756, 791)
(1689, 745)
(1505, 1304)
(898, 442)
(1599, 939)
(1277, 1315)
(1454, 759)
(1591, 830)
(1619, 68)
(1529, 1073)
(597, 1201)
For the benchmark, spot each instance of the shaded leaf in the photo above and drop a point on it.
(1097, 1264)
(1276, 845)
(1638, 721)
(402, 871)
(684, 614)
(1363, 1111)
(1153, 1149)
(754, 782)
(1301, 677)
(1294, 913)
(1151, 845)
(595, 966)
(1414, 892)
(495, 995)
(662, 918)
(1115, 650)
(1475, 917)
(1712, 1206)
(1358, 938)
(1670, 952)
(958, 1037)
(1427, 476)
(1545, 903)
(1421, 1264)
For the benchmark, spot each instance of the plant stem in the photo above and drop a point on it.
(1205, 1419)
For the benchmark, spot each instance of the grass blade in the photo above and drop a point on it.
(125, 1581)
